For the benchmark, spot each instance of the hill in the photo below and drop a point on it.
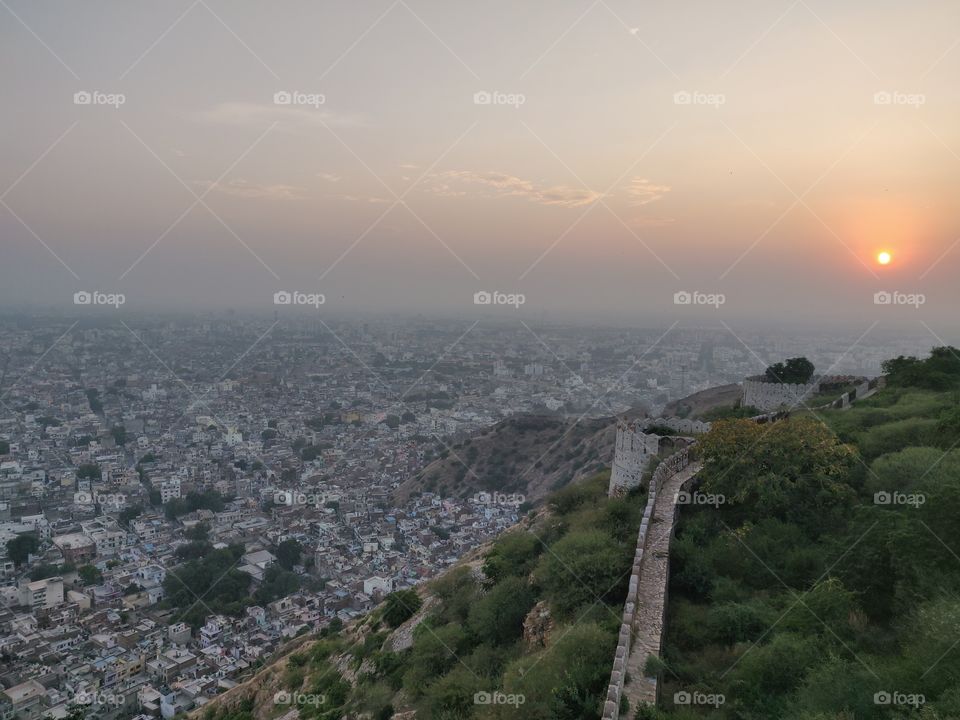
(530, 455)
(525, 626)
(825, 584)
(698, 404)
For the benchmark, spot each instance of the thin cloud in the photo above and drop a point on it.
(371, 199)
(245, 189)
(504, 185)
(244, 114)
(641, 191)
(329, 177)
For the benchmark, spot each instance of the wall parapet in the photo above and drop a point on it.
(669, 467)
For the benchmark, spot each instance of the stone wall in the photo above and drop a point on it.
(635, 447)
(769, 396)
(667, 469)
(670, 466)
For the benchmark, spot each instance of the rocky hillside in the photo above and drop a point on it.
(530, 455)
(512, 630)
(694, 406)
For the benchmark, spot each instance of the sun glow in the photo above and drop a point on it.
(884, 258)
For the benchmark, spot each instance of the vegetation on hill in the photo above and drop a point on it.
(530, 455)
(826, 586)
(570, 565)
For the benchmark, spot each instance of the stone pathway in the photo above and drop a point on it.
(652, 592)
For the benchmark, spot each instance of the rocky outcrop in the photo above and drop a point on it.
(537, 626)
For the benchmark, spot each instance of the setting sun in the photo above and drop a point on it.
(884, 258)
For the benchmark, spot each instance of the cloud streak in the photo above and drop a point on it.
(499, 184)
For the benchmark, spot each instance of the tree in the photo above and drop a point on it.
(128, 514)
(795, 470)
(514, 554)
(89, 575)
(497, 618)
(119, 434)
(199, 532)
(400, 606)
(796, 370)
(89, 471)
(583, 567)
(288, 553)
(21, 547)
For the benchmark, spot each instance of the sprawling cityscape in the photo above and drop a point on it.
(132, 445)
(431, 360)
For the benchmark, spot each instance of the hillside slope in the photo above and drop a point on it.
(530, 455)
(695, 405)
(531, 633)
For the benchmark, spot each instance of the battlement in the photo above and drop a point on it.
(635, 446)
(768, 396)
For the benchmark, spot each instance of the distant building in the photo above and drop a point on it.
(38, 594)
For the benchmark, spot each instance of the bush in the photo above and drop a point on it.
(400, 606)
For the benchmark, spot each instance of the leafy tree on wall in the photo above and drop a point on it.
(796, 370)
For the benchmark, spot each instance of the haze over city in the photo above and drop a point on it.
(432, 360)
(765, 152)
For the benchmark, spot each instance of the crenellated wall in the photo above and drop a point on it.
(635, 447)
(669, 467)
(769, 396)
(649, 575)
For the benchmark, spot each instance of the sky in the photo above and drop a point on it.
(595, 158)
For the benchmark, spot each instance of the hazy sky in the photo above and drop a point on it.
(763, 150)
